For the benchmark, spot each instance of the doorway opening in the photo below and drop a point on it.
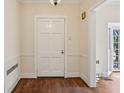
(107, 40)
(99, 40)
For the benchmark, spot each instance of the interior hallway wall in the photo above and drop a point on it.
(12, 44)
(28, 13)
(110, 13)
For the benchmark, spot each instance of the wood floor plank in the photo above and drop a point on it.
(62, 85)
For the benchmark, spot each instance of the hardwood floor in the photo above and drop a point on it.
(72, 85)
(109, 86)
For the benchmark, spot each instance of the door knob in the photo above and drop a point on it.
(62, 51)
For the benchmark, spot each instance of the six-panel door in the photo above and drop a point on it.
(50, 47)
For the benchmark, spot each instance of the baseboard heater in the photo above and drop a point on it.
(12, 69)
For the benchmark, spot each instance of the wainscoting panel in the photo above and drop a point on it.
(84, 72)
(73, 65)
(12, 73)
(28, 65)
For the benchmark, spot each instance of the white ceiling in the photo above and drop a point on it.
(47, 1)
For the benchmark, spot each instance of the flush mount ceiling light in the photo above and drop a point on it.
(55, 2)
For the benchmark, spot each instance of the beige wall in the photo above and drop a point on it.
(28, 12)
(110, 14)
(12, 43)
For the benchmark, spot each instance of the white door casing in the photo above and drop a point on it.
(50, 47)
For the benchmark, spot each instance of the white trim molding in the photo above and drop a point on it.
(85, 78)
(84, 55)
(28, 75)
(47, 1)
(92, 44)
(13, 86)
(27, 54)
(74, 54)
(14, 76)
(73, 74)
(92, 48)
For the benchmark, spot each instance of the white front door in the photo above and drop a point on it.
(50, 47)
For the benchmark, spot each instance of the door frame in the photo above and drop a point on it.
(35, 42)
(110, 60)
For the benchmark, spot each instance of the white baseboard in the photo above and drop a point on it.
(13, 86)
(85, 78)
(87, 81)
(73, 74)
(28, 75)
(92, 83)
(32, 75)
(109, 73)
(105, 74)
